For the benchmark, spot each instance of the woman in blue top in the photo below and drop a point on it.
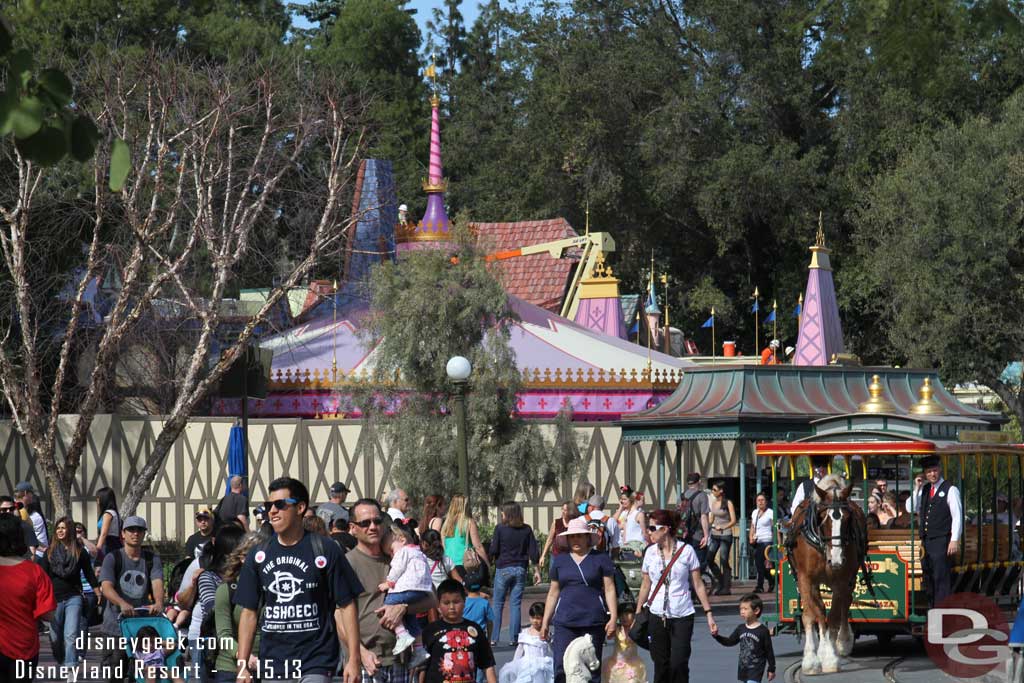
(582, 598)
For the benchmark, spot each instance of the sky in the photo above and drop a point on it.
(470, 10)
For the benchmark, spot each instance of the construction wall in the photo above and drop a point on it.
(319, 452)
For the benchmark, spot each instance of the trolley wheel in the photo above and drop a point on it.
(884, 640)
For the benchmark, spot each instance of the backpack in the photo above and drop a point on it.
(208, 632)
(177, 574)
(691, 519)
(147, 565)
(599, 527)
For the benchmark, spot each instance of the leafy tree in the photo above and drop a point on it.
(424, 311)
(446, 40)
(373, 44)
(941, 252)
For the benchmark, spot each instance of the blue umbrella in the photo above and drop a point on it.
(236, 456)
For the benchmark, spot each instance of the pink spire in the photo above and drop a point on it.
(821, 333)
(436, 174)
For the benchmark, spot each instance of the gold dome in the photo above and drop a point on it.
(876, 403)
(927, 405)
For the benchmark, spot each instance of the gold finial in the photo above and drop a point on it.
(927, 405)
(431, 73)
(586, 224)
(756, 293)
(876, 403)
(602, 271)
(819, 252)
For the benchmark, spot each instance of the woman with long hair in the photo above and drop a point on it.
(460, 533)
(669, 569)
(218, 554)
(64, 562)
(433, 514)
(226, 614)
(28, 599)
(109, 525)
(631, 519)
(581, 598)
(760, 538)
(555, 541)
(440, 565)
(513, 548)
(721, 520)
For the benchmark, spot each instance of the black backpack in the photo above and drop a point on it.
(691, 519)
(208, 632)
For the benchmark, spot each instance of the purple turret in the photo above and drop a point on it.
(821, 333)
(434, 229)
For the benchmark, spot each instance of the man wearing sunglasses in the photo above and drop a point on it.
(9, 507)
(306, 590)
(130, 578)
(376, 622)
(203, 535)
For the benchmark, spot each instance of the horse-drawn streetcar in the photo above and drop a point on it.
(870, 575)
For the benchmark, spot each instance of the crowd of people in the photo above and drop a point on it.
(375, 593)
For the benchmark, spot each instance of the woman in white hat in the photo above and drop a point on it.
(582, 598)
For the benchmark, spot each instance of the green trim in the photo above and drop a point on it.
(729, 431)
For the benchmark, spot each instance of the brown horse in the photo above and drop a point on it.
(828, 546)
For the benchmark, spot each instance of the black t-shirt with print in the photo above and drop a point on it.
(298, 635)
(457, 651)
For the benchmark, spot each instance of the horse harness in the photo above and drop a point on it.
(812, 531)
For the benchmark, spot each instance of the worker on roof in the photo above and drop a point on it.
(770, 356)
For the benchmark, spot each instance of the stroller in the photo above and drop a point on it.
(130, 627)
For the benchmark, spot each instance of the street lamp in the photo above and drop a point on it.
(459, 370)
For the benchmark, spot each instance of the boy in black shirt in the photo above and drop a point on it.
(755, 642)
(458, 647)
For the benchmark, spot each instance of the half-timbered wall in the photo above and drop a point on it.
(320, 452)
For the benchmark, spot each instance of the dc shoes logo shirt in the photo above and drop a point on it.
(298, 591)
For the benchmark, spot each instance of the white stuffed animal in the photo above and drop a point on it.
(580, 659)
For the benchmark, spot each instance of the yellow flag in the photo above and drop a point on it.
(431, 72)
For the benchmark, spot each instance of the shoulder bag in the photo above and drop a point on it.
(640, 632)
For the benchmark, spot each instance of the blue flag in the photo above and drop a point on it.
(796, 313)
(756, 307)
(770, 318)
(710, 322)
(636, 327)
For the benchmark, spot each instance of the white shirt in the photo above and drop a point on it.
(196, 624)
(955, 506)
(762, 525)
(632, 532)
(799, 496)
(39, 526)
(396, 514)
(677, 583)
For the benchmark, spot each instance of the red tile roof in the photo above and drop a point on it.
(537, 278)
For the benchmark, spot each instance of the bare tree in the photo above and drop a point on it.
(217, 155)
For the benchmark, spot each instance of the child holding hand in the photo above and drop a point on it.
(755, 640)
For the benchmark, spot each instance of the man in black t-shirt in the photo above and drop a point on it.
(304, 586)
(203, 535)
(458, 647)
(234, 507)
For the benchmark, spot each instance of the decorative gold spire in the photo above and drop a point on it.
(819, 252)
(927, 405)
(876, 403)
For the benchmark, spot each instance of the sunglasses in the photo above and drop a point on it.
(280, 504)
(656, 527)
(7, 511)
(365, 524)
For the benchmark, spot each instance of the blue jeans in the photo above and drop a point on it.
(64, 629)
(411, 623)
(509, 579)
